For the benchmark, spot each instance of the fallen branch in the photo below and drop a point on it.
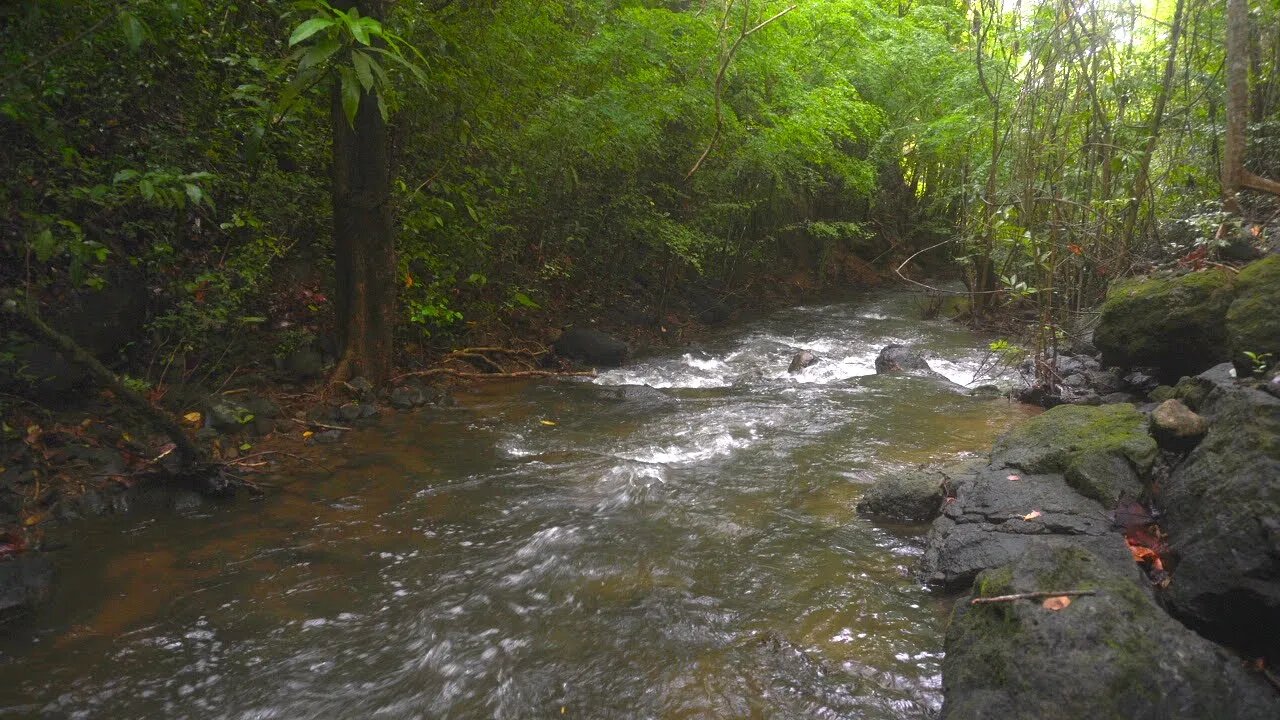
(1029, 596)
(493, 376)
(322, 426)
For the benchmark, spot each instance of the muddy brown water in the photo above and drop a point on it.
(676, 539)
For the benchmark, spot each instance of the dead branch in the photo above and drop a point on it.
(1029, 596)
(322, 426)
(493, 376)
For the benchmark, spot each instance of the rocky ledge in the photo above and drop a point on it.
(1063, 503)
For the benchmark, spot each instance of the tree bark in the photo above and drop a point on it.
(364, 243)
(1234, 175)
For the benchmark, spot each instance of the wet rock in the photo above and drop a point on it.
(1253, 320)
(224, 414)
(1119, 397)
(1160, 393)
(350, 411)
(1175, 427)
(323, 413)
(592, 347)
(802, 360)
(407, 397)
(304, 363)
(986, 391)
(327, 437)
(983, 527)
(361, 387)
(1175, 325)
(1080, 441)
(1113, 654)
(1142, 381)
(1222, 514)
(914, 496)
(901, 358)
(261, 407)
(25, 580)
(42, 372)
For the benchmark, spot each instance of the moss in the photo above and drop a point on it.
(1098, 448)
(1175, 324)
(1253, 325)
(1162, 393)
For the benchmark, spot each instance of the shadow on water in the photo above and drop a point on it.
(676, 539)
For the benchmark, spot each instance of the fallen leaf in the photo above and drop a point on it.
(548, 423)
(1032, 515)
(306, 434)
(246, 446)
(1015, 477)
(1056, 603)
(193, 418)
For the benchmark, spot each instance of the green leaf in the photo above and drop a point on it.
(350, 88)
(309, 28)
(134, 31)
(194, 193)
(320, 52)
(364, 70)
(525, 300)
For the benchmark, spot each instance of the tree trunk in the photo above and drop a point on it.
(364, 245)
(1234, 175)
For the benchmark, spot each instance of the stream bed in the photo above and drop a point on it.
(674, 539)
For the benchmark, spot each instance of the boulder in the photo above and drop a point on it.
(592, 347)
(226, 415)
(802, 360)
(25, 580)
(1222, 515)
(1104, 452)
(914, 496)
(1115, 654)
(1176, 427)
(903, 359)
(1253, 320)
(1175, 325)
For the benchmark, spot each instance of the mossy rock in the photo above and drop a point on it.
(1176, 325)
(1105, 451)
(914, 496)
(1115, 654)
(1253, 320)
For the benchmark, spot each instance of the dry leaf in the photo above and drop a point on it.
(548, 423)
(193, 418)
(1015, 477)
(306, 434)
(1032, 515)
(1056, 603)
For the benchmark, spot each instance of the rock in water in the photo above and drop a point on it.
(1175, 427)
(592, 347)
(914, 496)
(802, 360)
(1175, 325)
(24, 581)
(901, 358)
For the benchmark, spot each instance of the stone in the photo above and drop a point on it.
(1142, 381)
(986, 391)
(592, 347)
(1160, 393)
(1253, 320)
(1175, 325)
(914, 496)
(304, 363)
(1221, 511)
(802, 360)
(901, 358)
(406, 397)
(362, 388)
(1077, 440)
(350, 411)
(1115, 654)
(1176, 427)
(25, 581)
(226, 415)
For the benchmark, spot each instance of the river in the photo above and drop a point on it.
(589, 549)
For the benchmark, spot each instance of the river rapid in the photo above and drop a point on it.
(675, 539)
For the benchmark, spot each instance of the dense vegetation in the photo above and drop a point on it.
(175, 170)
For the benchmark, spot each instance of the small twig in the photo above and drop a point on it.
(1028, 596)
(323, 426)
(241, 459)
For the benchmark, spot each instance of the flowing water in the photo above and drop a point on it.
(676, 539)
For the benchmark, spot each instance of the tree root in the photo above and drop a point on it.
(1029, 596)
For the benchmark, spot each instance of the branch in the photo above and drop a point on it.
(1029, 596)
(1259, 183)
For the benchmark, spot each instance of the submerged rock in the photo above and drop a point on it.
(1115, 654)
(1253, 320)
(802, 360)
(25, 580)
(592, 347)
(1222, 514)
(1175, 325)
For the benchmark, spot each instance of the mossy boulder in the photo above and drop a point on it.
(1105, 452)
(1176, 325)
(1253, 319)
(914, 496)
(1115, 654)
(1221, 510)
